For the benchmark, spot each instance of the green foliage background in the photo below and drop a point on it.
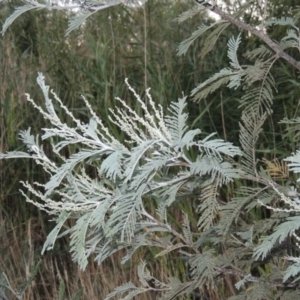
(94, 61)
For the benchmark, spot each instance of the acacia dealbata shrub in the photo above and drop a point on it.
(165, 162)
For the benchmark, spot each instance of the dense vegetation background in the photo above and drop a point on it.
(118, 43)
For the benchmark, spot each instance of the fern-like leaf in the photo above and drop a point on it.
(212, 84)
(258, 53)
(281, 233)
(208, 165)
(230, 212)
(210, 40)
(292, 270)
(277, 169)
(203, 268)
(184, 46)
(195, 10)
(125, 288)
(18, 12)
(176, 289)
(52, 236)
(176, 122)
(78, 238)
(283, 21)
(294, 162)
(233, 45)
(251, 126)
(209, 205)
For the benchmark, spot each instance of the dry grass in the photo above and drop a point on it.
(54, 272)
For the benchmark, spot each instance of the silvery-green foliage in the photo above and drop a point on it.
(289, 213)
(289, 227)
(153, 164)
(291, 40)
(218, 27)
(268, 237)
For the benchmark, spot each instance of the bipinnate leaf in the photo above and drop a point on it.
(281, 232)
(19, 11)
(52, 236)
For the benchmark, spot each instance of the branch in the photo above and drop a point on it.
(256, 279)
(259, 33)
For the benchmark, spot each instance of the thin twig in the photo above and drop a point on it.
(255, 279)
